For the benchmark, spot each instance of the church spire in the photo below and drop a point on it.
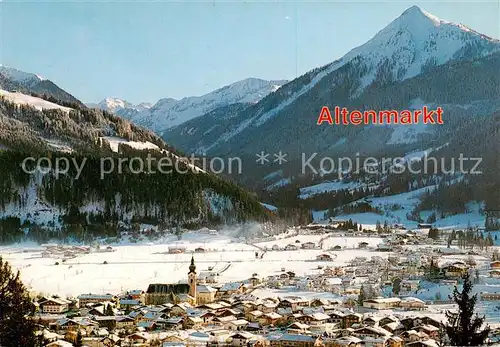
(192, 267)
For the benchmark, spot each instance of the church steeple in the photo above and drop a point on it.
(192, 267)
(192, 279)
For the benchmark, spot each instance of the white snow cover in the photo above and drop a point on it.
(280, 183)
(115, 141)
(19, 76)
(169, 112)
(135, 266)
(269, 207)
(115, 104)
(39, 104)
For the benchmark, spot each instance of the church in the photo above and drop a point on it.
(190, 292)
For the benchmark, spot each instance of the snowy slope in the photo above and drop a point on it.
(39, 104)
(169, 112)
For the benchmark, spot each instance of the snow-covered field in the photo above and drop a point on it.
(136, 266)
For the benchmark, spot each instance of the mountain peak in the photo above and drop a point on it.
(415, 19)
(20, 76)
(417, 13)
(414, 41)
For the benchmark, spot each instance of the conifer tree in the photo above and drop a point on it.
(396, 286)
(464, 326)
(361, 296)
(16, 328)
(109, 310)
(79, 339)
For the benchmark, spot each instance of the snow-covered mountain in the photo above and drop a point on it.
(121, 107)
(417, 60)
(415, 44)
(12, 79)
(20, 76)
(169, 112)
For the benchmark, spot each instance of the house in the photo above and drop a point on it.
(271, 318)
(429, 330)
(174, 323)
(456, 269)
(363, 245)
(395, 328)
(180, 309)
(137, 338)
(294, 340)
(394, 341)
(124, 322)
(370, 321)
(208, 277)
(128, 303)
(411, 303)
(352, 318)
(495, 273)
(254, 315)
(409, 285)
(85, 299)
(343, 341)
(495, 264)
(298, 328)
(324, 257)
(319, 302)
(308, 245)
(205, 294)
(241, 338)
(382, 303)
(291, 247)
(108, 322)
(238, 324)
(490, 296)
(373, 332)
(410, 336)
(54, 305)
(423, 343)
(387, 319)
(192, 322)
(229, 289)
(424, 225)
(111, 340)
(314, 319)
(136, 294)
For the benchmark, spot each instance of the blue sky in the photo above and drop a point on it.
(144, 51)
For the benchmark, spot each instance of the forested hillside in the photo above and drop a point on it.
(39, 201)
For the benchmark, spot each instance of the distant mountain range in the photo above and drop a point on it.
(169, 112)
